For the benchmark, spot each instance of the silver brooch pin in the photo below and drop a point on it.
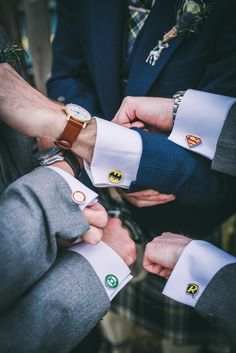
(188, 21)
(155, 53)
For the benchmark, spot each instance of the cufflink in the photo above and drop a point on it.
(192, 289)
(111, 281)
(193, 141)
(115, 176)
(78, 197)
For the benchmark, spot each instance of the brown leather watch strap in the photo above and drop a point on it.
(69, 134)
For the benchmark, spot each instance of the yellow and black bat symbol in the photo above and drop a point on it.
(115, 176)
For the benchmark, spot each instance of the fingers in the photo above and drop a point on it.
(93, 235)
(96, 215)
(126, 113)
(139, 124)
(97, 218)
(145, 203)
(165, 273)
(163, 252)
(147, 198)
(152, 266)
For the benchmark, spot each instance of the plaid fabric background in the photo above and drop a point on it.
(142, 302)
(138, 13)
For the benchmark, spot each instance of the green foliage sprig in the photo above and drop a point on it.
(13, 54)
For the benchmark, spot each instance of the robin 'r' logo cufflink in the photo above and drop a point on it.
(192, 289)
(193, 141)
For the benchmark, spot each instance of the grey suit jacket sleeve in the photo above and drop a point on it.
(225, 157)
(35, 210)
(57, 312)
(217, 303)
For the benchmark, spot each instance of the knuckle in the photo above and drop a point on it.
(148, 247)
(165, 234)
(128, 100)
(6, 66)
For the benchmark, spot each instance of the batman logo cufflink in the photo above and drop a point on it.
(115, 176)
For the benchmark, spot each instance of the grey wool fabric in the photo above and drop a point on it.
(49, 299)
(217, 303)
(225, 157)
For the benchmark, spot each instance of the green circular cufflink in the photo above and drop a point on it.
(111, 281)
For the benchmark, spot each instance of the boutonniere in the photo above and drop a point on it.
(13, 54)
(188, 21)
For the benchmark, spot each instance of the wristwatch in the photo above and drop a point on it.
(77, 119)
(178, 96)
(56, 154)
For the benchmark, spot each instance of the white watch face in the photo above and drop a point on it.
(78, 112)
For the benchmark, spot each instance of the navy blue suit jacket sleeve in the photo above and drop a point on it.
(70, 81)
(171, 169)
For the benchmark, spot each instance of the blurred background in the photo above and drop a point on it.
(31, 23)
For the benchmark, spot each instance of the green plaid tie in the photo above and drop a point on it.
(138, 13)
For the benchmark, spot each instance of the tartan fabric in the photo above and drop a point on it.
(138, 13)
(143, 303)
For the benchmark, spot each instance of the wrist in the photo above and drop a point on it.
(64, 166)
(169, 113)
(54, 122)
(84, 144)
(60, 158)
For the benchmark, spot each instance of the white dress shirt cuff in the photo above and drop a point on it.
(112, 271)
(197, 265)
(116, 156)
(199, 121)
(80, 193)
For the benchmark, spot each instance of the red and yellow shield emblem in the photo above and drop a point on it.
(193, 141)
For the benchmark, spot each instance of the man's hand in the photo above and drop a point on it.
(30, 112)
(163, 252)
(97, 218)
(117, 237)
(146, 111)
(147, 198)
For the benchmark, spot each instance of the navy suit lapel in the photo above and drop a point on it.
(108, 21)
(160, 21)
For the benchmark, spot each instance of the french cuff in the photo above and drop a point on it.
(80, 194)
(197, 265)
(116, 156)
(199, 121)
(112, 271)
